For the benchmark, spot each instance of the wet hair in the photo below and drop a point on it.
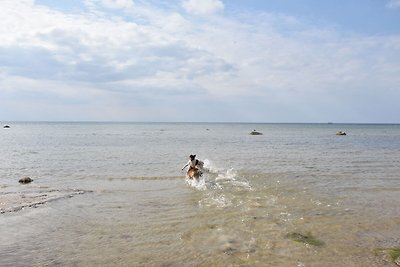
(192, 157)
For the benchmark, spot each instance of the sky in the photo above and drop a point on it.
(200, 60)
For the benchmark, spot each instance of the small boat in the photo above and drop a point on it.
(6, 127)
(340, 133)
(254, 132)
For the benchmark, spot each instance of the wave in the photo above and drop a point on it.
(145, 178)
(216, 178)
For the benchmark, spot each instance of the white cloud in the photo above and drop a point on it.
(203, 7)
(118, 3)
(170, 58)
(112, 4)
(393, 4)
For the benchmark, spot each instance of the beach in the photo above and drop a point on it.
(113, 194)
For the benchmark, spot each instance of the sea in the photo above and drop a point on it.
(297, 195)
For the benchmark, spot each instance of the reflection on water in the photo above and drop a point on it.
(140, 211)
(242, 220)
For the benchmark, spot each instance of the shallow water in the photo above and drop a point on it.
(139, 210)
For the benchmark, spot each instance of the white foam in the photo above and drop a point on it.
(229, 175)
(223, 177)
(199, 184)
(219, 201)
(210, 167)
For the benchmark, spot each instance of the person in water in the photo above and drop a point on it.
(195, 163)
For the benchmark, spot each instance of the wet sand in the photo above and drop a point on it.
(20, 200)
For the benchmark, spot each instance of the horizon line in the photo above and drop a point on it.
(191, 122)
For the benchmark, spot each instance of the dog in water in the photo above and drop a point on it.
(195, 167)
(193, 173)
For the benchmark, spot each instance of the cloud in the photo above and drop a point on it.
(393, 4)
(98, 50)
(112, 4)
(203, 7)
(118, 3)
(254, 67)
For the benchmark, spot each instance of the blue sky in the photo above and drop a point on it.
(200, 60)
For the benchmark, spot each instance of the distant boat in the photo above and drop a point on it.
(6, 126)
(254, 132)
(340, 133)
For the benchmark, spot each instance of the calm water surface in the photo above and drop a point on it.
(141, 211)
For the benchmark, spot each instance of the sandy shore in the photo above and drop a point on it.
(17, 201)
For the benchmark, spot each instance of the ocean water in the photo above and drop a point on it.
(138, 208)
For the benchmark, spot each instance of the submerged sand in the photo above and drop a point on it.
(17, 201)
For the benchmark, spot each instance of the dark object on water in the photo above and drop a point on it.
(340, 133)
(6, 126)
(254, 132)
(25, 180)
(306, 239)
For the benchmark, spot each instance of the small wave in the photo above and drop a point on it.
(17, 201)
(228, 175)
(219, 201)
(231, 177)
(145, 178)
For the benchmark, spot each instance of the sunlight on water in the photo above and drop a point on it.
(119, 197)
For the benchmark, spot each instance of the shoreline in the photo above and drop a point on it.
(11, 202)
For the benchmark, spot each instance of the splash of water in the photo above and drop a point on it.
(215, 178)
(210, 167)
(228, 175)
(199, 184)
